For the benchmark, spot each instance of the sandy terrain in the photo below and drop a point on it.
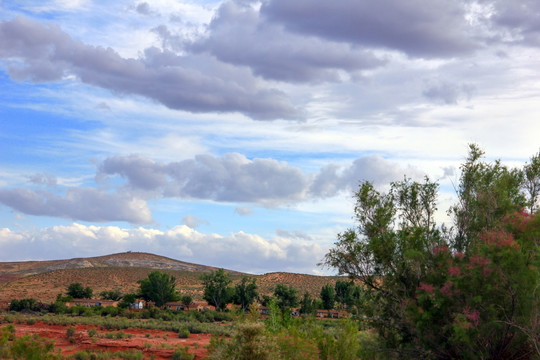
(158, 343)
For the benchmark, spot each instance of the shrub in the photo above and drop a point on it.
(32, 348)
(181, 353)
(183, 333)
(81, 355)
(250, 341)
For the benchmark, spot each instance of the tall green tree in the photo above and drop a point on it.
(307, 305)
(245, 292)
(471, 292)
(286, 297)
(486, 193)
(78, 291)
(346, 292)
(159, 287)
(217, 291)
(328, 296)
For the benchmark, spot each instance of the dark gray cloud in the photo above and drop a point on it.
(36, 52)
(435, 29)
(234, 178)
(85, 204)
(520, 20)
(142, 172)
(333, 179)
(239, 36)
(230, 178)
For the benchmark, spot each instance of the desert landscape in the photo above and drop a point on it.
(137, 334)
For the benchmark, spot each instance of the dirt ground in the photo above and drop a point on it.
(157, 343)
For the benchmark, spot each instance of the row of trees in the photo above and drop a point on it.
(466, 291)
(160, 288)
(219, 292)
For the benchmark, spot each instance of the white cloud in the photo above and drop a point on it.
(238, 251)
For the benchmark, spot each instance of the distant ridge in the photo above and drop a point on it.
(13, 270)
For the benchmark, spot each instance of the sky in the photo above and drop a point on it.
(234, 133)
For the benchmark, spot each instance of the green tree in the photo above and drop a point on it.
(127, 300)
(217, 291)
(435, 293)
(187, 301)
(328, 296)
(486, 193)
(286, 297)
(531, 182)
(245, 292)
(111, 295)
(347, 293)
(306, 304)
(158, 287)
(78, 291)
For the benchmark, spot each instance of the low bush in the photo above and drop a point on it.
(183, 333)
(181, 353)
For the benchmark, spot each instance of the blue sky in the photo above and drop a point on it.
(234, 133)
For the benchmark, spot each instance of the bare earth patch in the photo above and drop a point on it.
(158, 343)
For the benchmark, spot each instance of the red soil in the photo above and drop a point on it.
(159, 343)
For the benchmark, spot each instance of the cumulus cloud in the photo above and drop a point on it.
(239, 36)
(333, 179)
(86, 204)
(256, 254)
(234, 178)
(231, 178)
(438, 30)
(193, 83)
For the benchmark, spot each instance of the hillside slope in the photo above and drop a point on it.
(44, 280)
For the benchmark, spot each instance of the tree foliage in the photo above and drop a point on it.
(78, 291)
(245, 292)
(114, 295)
(307, 305)
(328, 296)
(347, 293)
(466, 292)
(217, 291)
(159, 287)
(286, 296)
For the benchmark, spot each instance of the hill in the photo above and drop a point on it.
(44, 280)
(13, 270)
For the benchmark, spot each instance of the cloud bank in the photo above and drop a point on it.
(231, 178)
(255, 254)
(40, 53)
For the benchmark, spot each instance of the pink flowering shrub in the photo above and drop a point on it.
(476, 301)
